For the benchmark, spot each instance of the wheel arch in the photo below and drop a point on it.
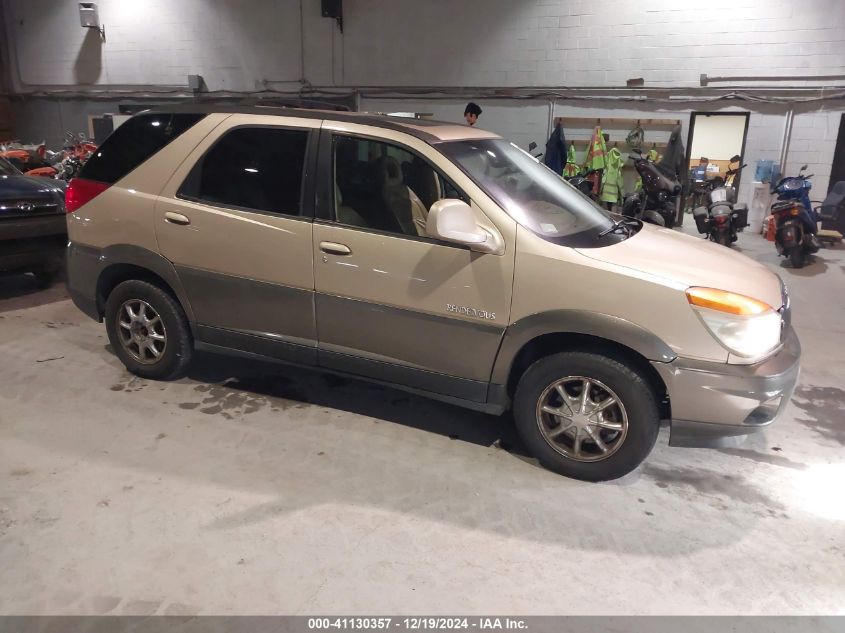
(541, 335)
(124, 262)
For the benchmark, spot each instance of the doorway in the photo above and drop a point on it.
(716, 145)
(837, 170)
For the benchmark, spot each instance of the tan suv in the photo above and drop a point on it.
(431, 257)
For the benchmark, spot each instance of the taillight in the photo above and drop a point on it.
(81, 191)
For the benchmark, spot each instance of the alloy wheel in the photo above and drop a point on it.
(582, 418)
(141, 331)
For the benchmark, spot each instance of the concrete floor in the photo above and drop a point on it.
(257, 489)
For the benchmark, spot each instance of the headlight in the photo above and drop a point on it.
(747, 327)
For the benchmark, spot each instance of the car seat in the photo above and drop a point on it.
(423, 181)
(400, 201)
(346, 215)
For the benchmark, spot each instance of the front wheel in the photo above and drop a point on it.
(796, 256)
(586, 416)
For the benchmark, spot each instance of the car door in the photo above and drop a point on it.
(392, 303)
(236, 222)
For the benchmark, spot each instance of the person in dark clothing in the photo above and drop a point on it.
(471, 113)
(555, 155)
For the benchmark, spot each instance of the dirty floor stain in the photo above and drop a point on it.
(763, 458)
(723, 489)
(237, 397)
(825, 410)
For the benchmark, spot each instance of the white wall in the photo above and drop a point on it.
(241, 45)
(717, 137)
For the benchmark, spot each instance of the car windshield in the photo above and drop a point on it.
(531, 193)
(7, 169)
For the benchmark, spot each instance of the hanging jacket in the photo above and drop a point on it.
(597, 151)
(674, 157)
(555, 150)
(571, 168)
(611, 187)
(635, 137)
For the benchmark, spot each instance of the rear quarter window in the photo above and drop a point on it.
(134, 142)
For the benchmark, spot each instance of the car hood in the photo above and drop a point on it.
(29, 188)
(692, 261)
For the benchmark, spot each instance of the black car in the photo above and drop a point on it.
(33, 226)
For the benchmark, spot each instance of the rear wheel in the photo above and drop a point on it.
(586, 415)
(796, 256)
(148, 330)
(723, 238)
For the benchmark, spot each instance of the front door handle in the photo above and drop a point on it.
(176, 218)
(335, 249)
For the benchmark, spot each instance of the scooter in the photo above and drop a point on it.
(792, 239)
(723, 217)
(655, 202)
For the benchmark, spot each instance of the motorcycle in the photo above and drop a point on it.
(584, 183)
(723, 217)
(66, 163)
(792, 238)
(655, 202)
(531, 147)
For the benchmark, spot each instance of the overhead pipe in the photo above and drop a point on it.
(787, 139)
(705, 80)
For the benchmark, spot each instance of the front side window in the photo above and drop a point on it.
(385, 187)
(531, 193)
(253, 168)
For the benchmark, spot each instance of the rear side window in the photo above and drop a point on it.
(133, 143)
(253, 168)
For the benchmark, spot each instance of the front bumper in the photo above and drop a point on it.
(711, 401)
(32, 242)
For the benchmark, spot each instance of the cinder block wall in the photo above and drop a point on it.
(241, 45)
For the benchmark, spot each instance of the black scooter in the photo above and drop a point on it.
(655, 202)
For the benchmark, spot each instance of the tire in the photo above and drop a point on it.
(723, 238)
(796, 256)
(609, 378)
(176, 349)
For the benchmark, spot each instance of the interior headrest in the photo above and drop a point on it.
(391, 171)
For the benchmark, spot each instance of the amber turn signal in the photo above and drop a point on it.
(725, 301)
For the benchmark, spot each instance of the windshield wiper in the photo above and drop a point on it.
(629, 224)
(617, 224)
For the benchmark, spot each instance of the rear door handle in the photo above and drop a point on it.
(176, 218)
(335, 249)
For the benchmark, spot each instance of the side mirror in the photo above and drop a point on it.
(454, 221)
(804, 168)
(532, 146)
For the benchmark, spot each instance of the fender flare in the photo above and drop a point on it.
(604, 326)
(148, 260)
